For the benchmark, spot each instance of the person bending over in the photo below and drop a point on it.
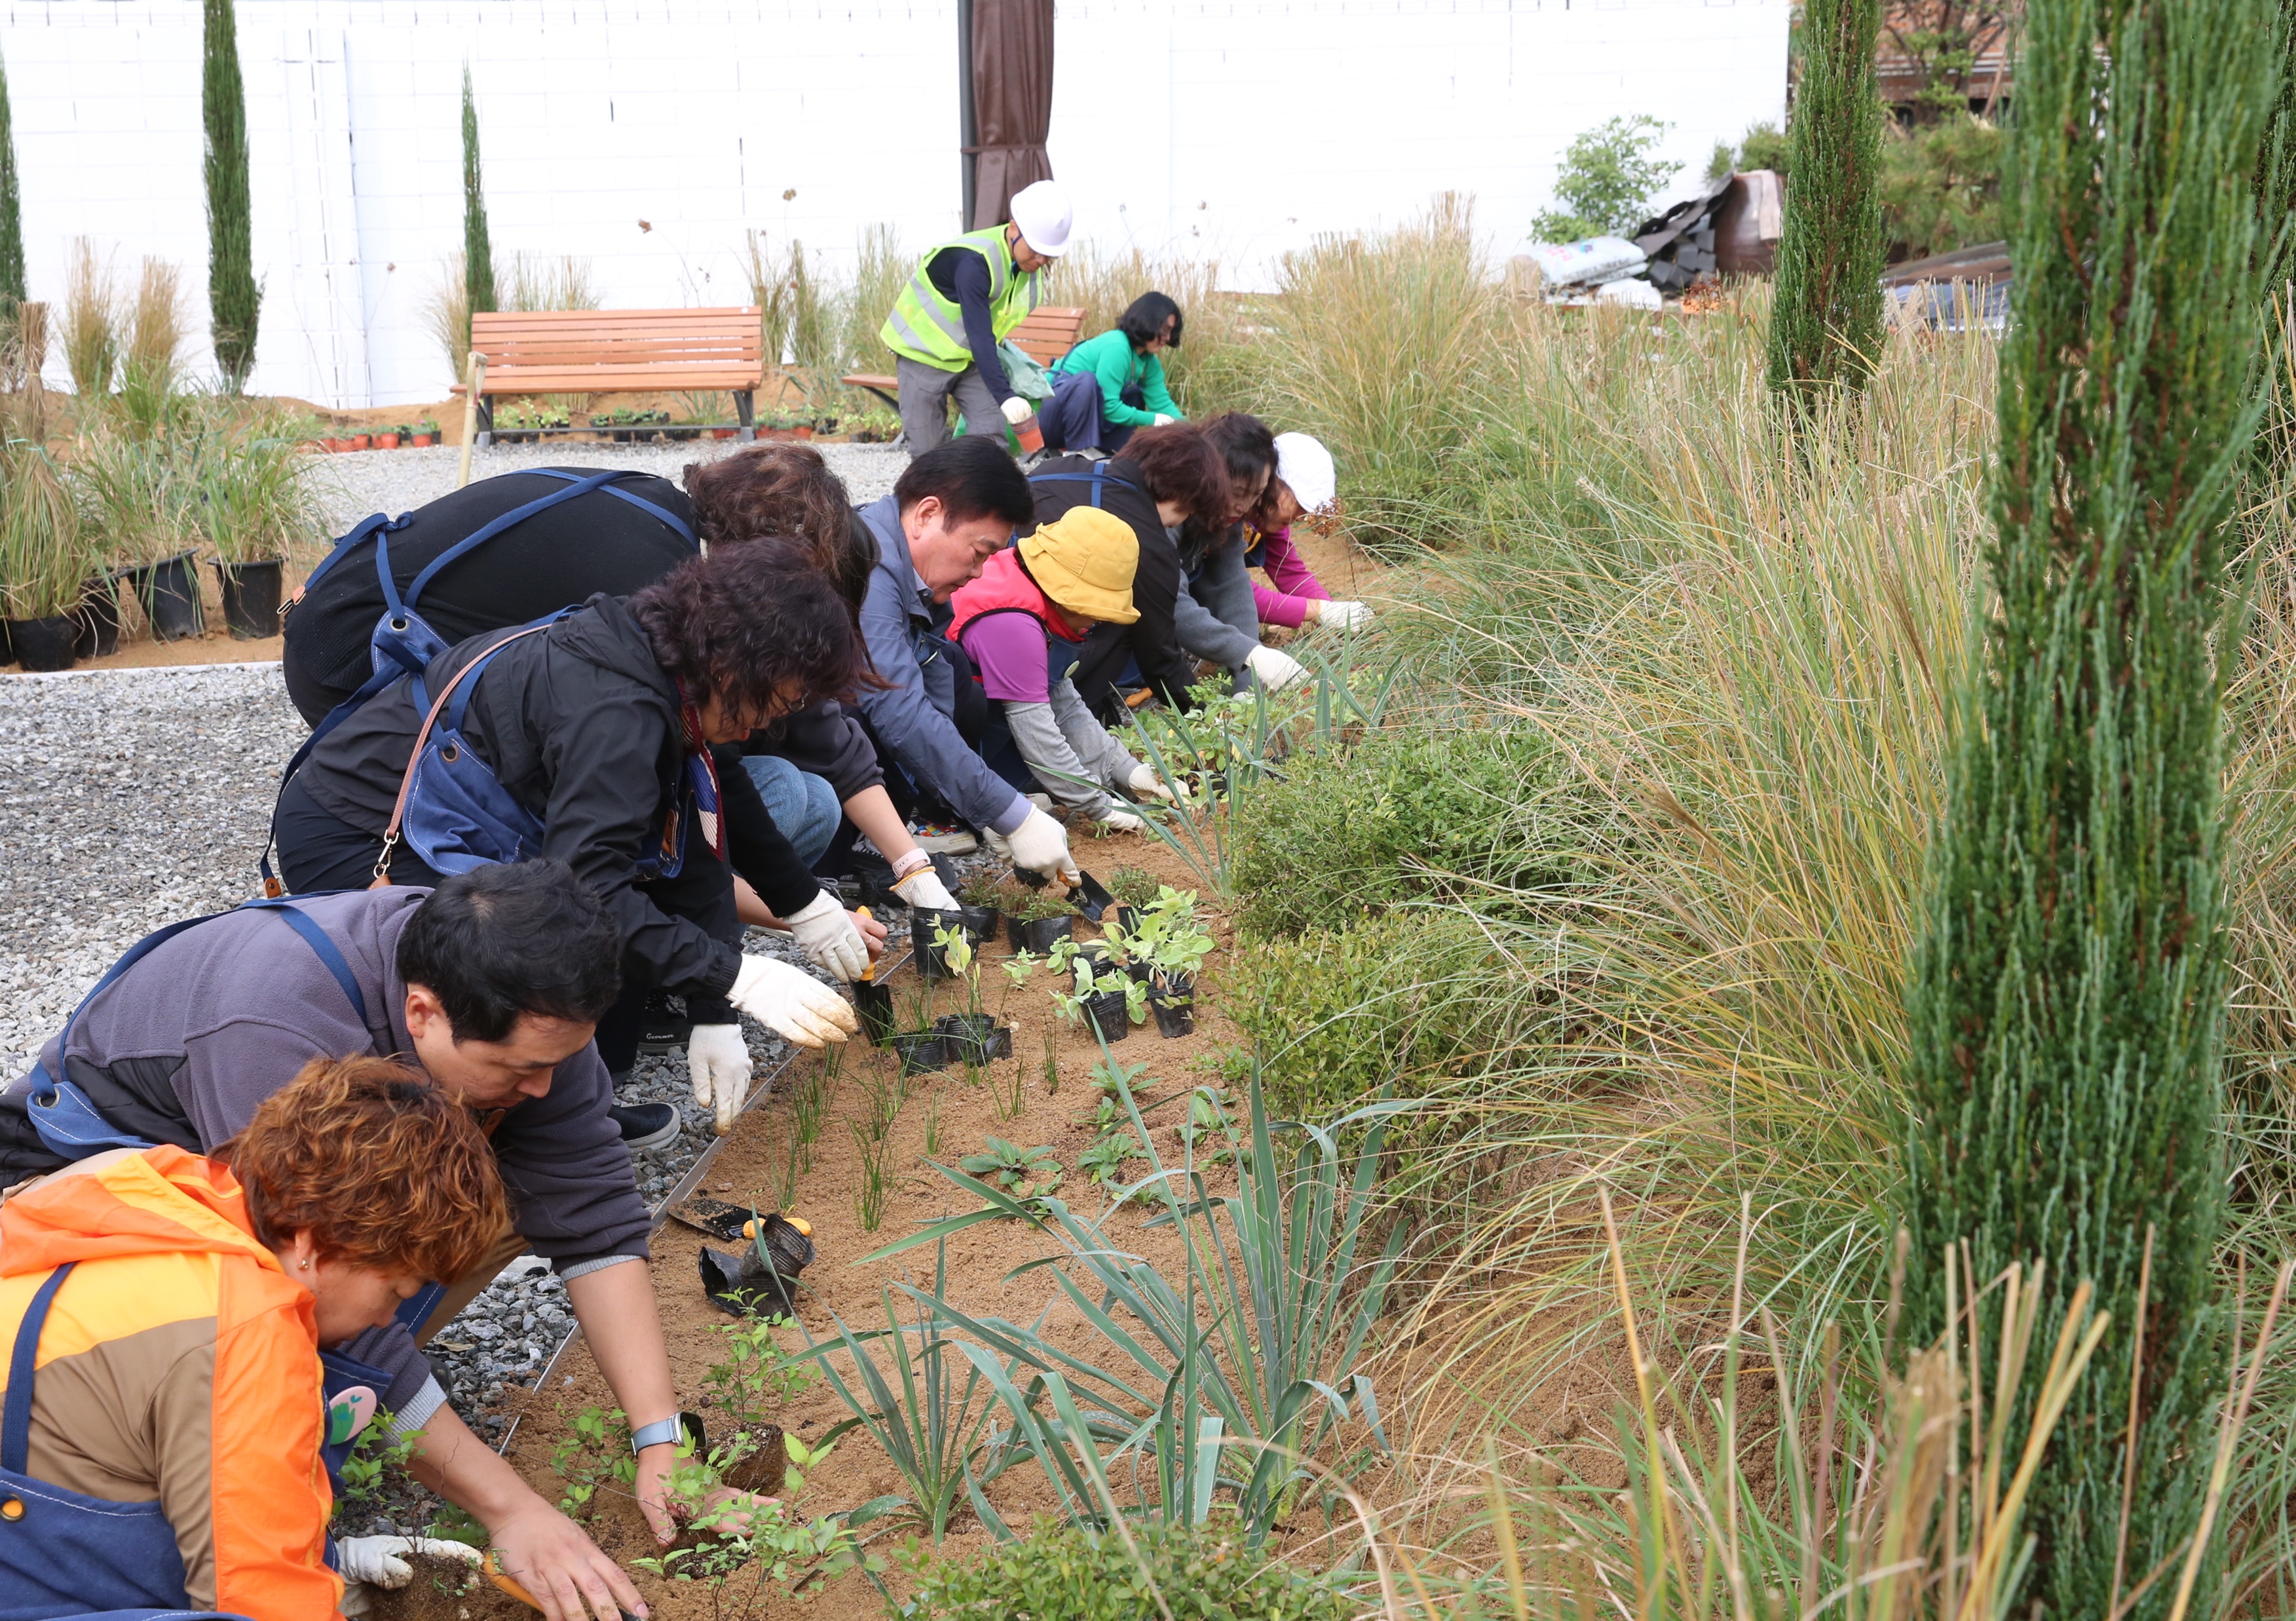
(1108, 387)
(1165, 477)
(1215, 612)
(165, 1412)
(1021, 623)
(490, 984)
(588, 739)
(1305, 485)
(954, 508)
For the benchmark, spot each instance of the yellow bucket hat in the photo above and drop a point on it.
(1084, 560)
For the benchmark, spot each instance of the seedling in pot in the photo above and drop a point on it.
(1028, 1174)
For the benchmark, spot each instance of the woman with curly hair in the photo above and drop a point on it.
(589, 738)
(165, 1410)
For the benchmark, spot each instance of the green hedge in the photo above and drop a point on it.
(1066, 1574)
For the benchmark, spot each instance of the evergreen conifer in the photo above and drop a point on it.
(478, 251)
(1825, 322)
(12, 211)
(235, 301)
(2066, 998)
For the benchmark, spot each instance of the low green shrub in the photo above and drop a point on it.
(1403, 1001)
(1403, 815)
(1204, 1574)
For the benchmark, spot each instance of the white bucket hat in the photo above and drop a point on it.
(1043, 212)
(1302, 462)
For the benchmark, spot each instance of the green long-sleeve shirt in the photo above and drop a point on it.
(1112, 358)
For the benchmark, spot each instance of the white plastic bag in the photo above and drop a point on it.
(1598, 259)
(1634, 294)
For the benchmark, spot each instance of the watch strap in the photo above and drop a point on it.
(676, 1428)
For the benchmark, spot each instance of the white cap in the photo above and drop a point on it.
(1043, 212)
(1302, 462)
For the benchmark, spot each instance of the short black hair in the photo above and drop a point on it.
(1145, 321)
(975, 478)
(500, 941)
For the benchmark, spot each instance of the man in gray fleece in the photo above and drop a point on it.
(492, 982)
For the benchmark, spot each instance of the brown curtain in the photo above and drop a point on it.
(1011, 102)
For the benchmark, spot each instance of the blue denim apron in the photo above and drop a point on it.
(61, 1553)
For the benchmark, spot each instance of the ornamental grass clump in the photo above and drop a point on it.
(2067, 998)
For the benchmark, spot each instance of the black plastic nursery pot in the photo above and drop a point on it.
(875, 1003)
(169, 593)
(43, 645)
(1105, 1014)
(919, 1051)
(977, 923)
(1174, 1011)
(96, 619)
(1123, 919)
(251, 598)
(1038, 933)
(973, 1038)
(876, 876)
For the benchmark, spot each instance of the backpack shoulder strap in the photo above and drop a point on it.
(576, 486)
(322, 946)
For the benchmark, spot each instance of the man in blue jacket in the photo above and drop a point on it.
(955, 506)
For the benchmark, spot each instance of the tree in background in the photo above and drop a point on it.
(1825, 323)
(1942, 44)
(12, 211)
(1606, 181)
(2066, 998)
(235, 301)
(478, 251)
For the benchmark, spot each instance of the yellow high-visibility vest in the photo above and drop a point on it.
(930, 329)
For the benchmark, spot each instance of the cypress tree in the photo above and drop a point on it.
(12, 211)
(235, 301)
(477, 252)
(1825, 323)
(2065, 1000)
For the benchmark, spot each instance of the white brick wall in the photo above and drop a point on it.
(1234, 128)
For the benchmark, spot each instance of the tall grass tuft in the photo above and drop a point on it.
(548, 281)
(91, 325)
(151, 350)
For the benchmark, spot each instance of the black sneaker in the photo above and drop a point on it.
(663, 1028)
(645, 1125)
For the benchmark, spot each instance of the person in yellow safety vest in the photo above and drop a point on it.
(966, 295)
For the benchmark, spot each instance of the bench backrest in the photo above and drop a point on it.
(1047, 334)
(600, 350)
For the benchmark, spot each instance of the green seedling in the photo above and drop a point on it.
(372, 1453)
(754, 1379)
(1028, 1174)
(593, 1454)
(869, 1199)
(1103, 1162)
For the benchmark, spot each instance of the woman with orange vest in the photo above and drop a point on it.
(1022, 622)
(165, 1412)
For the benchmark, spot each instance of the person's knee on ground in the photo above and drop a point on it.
(803, 806)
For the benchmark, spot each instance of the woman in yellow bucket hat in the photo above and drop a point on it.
(1022, 622)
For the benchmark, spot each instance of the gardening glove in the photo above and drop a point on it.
(924, 889)
(1040, 844)
(1141, 780)
(718, 1060)
(1273, 667)
(1344, 615)
(826, 932)
(1162, 420)
(366, 1562)
(1120, 821)
(1016, 410)
(791, 1002)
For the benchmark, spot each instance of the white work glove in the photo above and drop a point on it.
(924, 889)
(1273, 667)
(1162, 420)
(792, 1002)
(1143, 779)
(1120, 821)
(717, 1060)
(1040, 844)
(1016, 410)
(828, 935)
(380, 1561)
(1344, 615)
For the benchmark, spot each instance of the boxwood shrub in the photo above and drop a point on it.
(1067, 1574)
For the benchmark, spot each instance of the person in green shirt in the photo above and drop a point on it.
(1107, 386)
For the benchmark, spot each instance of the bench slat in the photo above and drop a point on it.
(631, 354)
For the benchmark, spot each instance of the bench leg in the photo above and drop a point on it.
(486, 421)
(745, 407)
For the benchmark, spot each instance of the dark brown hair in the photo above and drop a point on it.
(378, 1163)
(784, 490)
(753, 623)
(1181, 466)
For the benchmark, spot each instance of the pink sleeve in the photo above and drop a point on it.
(1277, 609)
(1008, 649)
(1288, 571)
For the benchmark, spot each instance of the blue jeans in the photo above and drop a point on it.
(803, 806)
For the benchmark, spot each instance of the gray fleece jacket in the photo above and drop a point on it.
(184, 1046)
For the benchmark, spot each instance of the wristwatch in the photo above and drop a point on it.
(676, 1428)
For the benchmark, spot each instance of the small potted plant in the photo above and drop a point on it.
(1035, 918)
(1108, 1001)
(386, 439)
(1135, 889)
(1171, 945)
(971, 1038)
(426, 432)
(45, 554)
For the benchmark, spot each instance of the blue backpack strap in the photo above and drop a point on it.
(329, 954)
(1099, 478)
(16, 1417)
(670, 520)
(516, 515)
(373, 523)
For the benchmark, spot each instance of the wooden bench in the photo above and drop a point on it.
(620, 352)
(1045, 334)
